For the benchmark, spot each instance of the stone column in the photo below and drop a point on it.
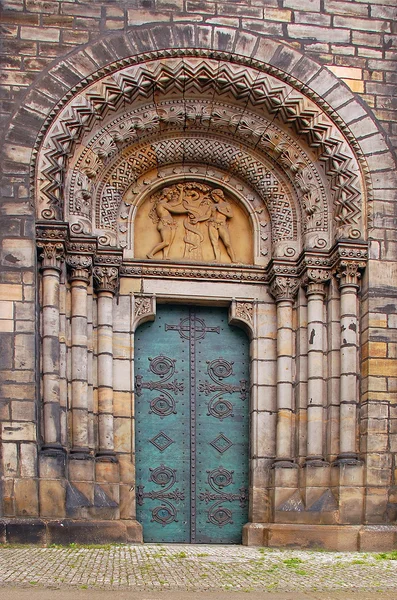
(106, 280)
(284, 290)
(52, 254)
(80, 272)
(348, 274)
(314, 282)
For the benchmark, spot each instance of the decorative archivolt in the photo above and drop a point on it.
(266, 116)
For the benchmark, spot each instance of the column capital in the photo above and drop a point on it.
(80, 267)
(106, 278)
(348, 272)
(51, 254)
(314, 281)
(284, 288)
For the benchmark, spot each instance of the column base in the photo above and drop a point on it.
(52, 450)
(106, 456)
(66, 531)
(341, 538)
(81, 454)
(284, 463)
(347, 458)
(315, 461)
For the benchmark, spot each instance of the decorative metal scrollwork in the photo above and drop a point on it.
(220, 408)
(164, 404)
(162, 366)
(218, 479)
(166, 512)
(218, 370)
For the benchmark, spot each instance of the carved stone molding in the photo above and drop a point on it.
(284, 288)
(206, 272)
(51, 254)
(80, 267)
(106, 279)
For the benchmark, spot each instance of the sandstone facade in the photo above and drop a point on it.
(275, 122)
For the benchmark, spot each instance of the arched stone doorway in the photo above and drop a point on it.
(272, 201)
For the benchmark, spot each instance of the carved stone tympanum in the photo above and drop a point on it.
(193, 221)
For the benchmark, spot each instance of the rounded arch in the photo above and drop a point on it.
(113, 52)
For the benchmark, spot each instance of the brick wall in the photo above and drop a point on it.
(356, 39)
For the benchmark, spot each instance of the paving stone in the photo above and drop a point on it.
(155, 567)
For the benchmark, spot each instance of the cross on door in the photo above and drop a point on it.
(192, 324)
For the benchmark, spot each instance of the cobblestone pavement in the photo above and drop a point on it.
(181, 568)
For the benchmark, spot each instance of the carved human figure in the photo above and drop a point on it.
(164, 206)
(198, 209)
(221, 211)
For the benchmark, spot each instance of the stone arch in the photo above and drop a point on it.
(335, 160)
(308, 104)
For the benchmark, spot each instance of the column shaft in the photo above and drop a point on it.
(79, 351)
(348, 372)
(51, 359)
(315, 387)
(52, 254)
(105, 372)
(284, 381)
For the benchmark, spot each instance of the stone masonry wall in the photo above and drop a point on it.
(356, 40)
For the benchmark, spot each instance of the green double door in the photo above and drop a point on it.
(191, 407)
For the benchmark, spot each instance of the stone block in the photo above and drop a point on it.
(376, 500)
(255, 534)
(93, 532)
(14, 431)
(51, 465)
(285, 477)
(107, 472)
(377, 538)
(26, 498)
(351, 505)
(26, 531)
(127, 469)
(81, 470)
(10, 459)
(327, 537)
(52, 498)
(122, 404)
(127, 502)
(122, 435)
(316, 476)
(28, 460)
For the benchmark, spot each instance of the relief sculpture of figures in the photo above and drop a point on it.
(165, 205)
(206, 214)
(221, 211)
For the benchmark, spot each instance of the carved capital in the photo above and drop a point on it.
(284, 288)
(106, 279)
(51, 254)
(314, 281)
(80, 267)
(348, 273)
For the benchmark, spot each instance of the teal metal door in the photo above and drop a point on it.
(191, 391)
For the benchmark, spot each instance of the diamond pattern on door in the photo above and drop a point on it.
(191, 391)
